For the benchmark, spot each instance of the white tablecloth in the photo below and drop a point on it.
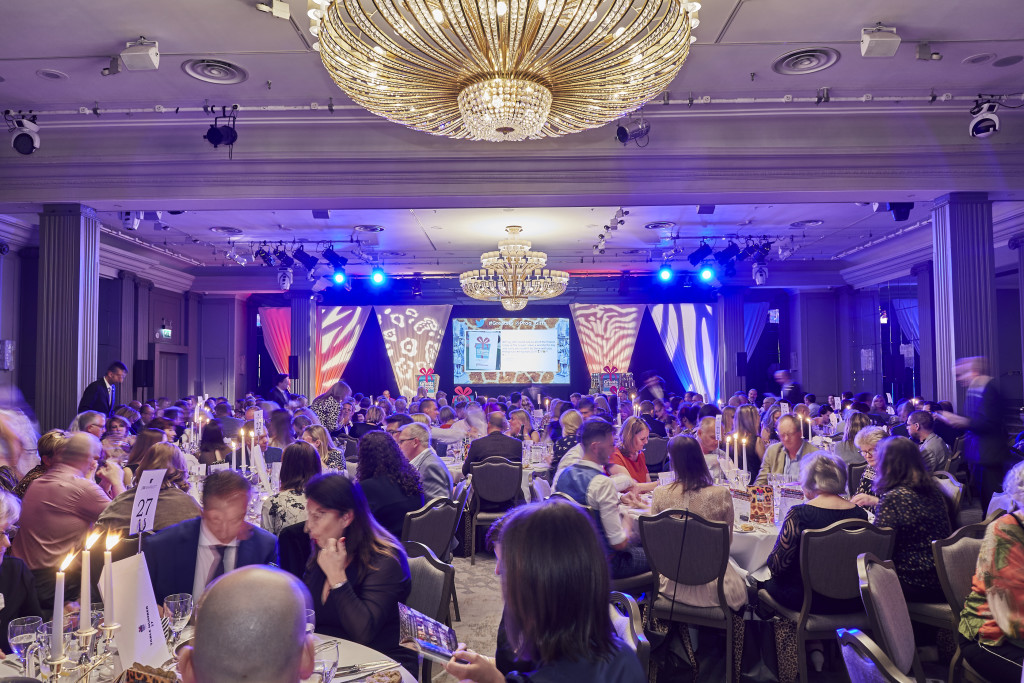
(528, 474)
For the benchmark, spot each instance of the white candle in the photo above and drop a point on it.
(243, 447)
(744, 442)
(234, 463)
(85, 592)
(57, 633)
(108, 580)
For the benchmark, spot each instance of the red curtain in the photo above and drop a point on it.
(277, 335)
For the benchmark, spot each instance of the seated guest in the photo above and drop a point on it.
(346, 420)
(89, 421)
(654, 425)
(867, 441)
(394, 423)
(569, 423)
(847, 449)
(116, 439)
(521, 426)
(934, 451)
(992, 621)
(878, 405)
(903, 411)
(472, 425)
(628, 458)
(360, 573)
(272, 647)
(495, 444)
(748, 427)
(186, 557)
(587, 484)
(281, 431)
(414, 441)
(164, 425)
(446, 416)
(374, 420)
(784, 457)
(173, 503)
(551, 556)
(823, 479)
(709, 447)
(212, 448)
(694, 490)
(910, 502)
(17, 584)
(47, 447)
(330, 456)
(391, 485)
(61, 506)
(229, 424)
(587, 407)
(299, 463)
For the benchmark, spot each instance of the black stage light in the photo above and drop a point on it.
(727, 254)
(308, 261)
(282, 256)
(701, 253)
(221, 135)
(265, 256)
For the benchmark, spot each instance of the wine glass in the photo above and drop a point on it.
(179, 611)
(326, 662)
(21, 633)
(742, 479)
(310, 620)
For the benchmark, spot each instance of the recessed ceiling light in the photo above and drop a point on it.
(744, 223)
(660, 225)
(215, 71)
(806, 60)
(812, 223)
(980, 58)
(369, 228)
(52, 75)
(225, 230)
(635, 252)
(1009, 61)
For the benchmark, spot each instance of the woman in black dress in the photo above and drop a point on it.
(392, 486)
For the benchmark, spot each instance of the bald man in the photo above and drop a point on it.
(240, 637)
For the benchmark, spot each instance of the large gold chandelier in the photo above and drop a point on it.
(502, 69)
(513, 275)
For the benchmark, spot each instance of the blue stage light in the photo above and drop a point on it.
(339, 277)
(706, 274)
(665, 273)
(377, 276)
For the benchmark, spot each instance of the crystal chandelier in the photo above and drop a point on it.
(502, 70)
(513, 275)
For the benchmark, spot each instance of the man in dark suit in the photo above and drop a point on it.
(789, 389)
(986, 447)
(186, 557)
(103, 394)
(654, 425)
(495, 444)
(230, 424)
(280, 393)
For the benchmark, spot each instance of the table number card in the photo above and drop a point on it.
(762, 505)
(718, 428)
(740, 505)
(257, 423)
(785, 407)
(146, 496)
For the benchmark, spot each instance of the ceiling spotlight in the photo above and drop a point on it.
(749, 251)
(706, 274)
(308, 261)
(282, 256)
(223, 133)
(665, 273)
(984, 124)
(130, 219)
(160, 226)
(24, 134)
(701, 253)
(632, 129)
(339, 276)
(334, 258)
(141, 55)
(377, 275)
(729, 253)
(265, 256)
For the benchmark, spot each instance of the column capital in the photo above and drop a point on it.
(962, 198)
(69, 210)
(127, 275)
(148, 285)
(922, 267)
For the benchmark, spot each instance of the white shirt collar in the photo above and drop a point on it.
(207, 538)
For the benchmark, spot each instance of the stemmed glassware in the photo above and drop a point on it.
(179, 611)
(326, 662)
(21, 633)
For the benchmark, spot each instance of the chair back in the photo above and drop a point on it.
(433, 525)
(497, 479)
(686, 548)
(655, 453)
(887, 611)
(541, 488)
(854, 474)
(865, 661)
(351, 447)
(951, 488)
(431, 581)
(828, 557)
(630, 627)
(956, 558)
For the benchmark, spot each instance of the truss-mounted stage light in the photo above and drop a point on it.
(307, 260)
(699, 254)
(24, 133)
(749, 251)
(985, 122)
(223, 133)
(264, 255)
(337, 262)
(377, 276)
(706, 274)
(632, 129)
(729, 253)
(285, 260)
(665, 273)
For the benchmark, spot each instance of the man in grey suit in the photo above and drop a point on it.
(230, 424)
(784, 457)
(414, 440)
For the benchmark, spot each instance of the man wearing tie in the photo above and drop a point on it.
(103, 394)
(186, 557)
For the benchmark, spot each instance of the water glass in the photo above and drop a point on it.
(179, 611)
(742, 479)
(21, 633)
(326, 662)
(310, 621)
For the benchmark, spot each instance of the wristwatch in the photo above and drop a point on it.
(338, 585)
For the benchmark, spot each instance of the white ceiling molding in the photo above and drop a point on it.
(16, 233)
(113, 260)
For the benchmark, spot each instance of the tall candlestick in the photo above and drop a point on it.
(243, 448)
(85, 592)
(727, 438)
(108, 579)
(233, 459)
(57, 632)
(744, 442)
(252, 440)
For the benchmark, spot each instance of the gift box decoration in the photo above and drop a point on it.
(482, 348)
(610, 379)
(430, 380)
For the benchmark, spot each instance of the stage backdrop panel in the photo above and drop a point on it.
(607, 333)
(516, 351)
(412, 337)
(277, 335)
(688, 333)
(338, 330)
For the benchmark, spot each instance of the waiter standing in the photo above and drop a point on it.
(103, 394)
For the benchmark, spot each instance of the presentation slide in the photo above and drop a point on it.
(511, 350)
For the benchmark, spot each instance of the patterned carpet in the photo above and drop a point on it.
(480, 604)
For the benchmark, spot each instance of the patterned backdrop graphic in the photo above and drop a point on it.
(690, 338)
(607, 333)
(338, 330)
(412, 337)
(277, 335)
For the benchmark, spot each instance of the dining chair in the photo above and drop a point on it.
(953, 490)
(630, 627)
(865, 661)
(692, 551)
(656, 454)
(887, 612)
(351, 447)
(828, 567)
(856, 471)
(431, 583)
(433, 525)
(495, 480)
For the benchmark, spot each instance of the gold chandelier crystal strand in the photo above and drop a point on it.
(504, 69)
(513, 275)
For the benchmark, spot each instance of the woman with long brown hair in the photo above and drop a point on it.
(146, 439)
(391, 485)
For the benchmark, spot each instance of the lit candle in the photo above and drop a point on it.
(85, 593)
(233, 459)
(108, 579)
(252, 440)
(57, 633)
(727, 438)
(744, 442)
(243, 447)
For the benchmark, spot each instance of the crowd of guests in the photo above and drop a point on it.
(336, 530)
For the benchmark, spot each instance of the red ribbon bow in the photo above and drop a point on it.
(483, 340)
(463, 391)
(610, 368)
(427, 372)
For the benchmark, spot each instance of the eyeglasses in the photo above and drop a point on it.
(10, 533)
(392, 432)
(405, 440)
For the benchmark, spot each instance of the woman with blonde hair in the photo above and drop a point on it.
(145, 440)
(173, 504)
(47, 447)
(330, 455)
(570, 421)
(628, 458)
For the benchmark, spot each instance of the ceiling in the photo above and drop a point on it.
(738, 41)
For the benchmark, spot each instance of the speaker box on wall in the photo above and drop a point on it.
(142, 374)
(293, 367)
(741, 363)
